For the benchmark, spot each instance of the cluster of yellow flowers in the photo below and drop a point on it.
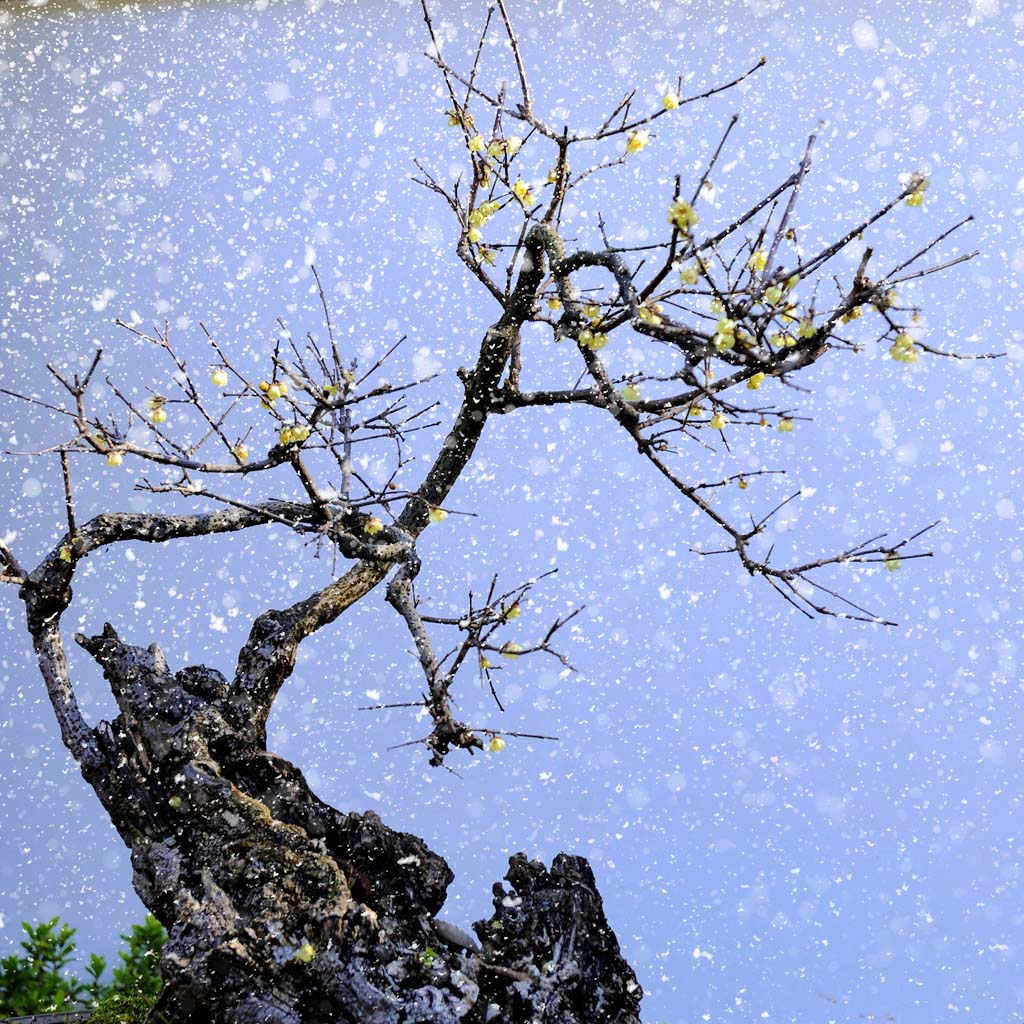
(903, 350)
(480, 216)
(522, 192)
(272, 390)
(499, 147)
(594, 340)
(650, 313)
(785, 425)
(725, 334)
(295, 435)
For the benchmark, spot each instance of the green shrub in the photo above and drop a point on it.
(36, 980)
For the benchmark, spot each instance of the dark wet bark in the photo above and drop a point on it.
(282, 909)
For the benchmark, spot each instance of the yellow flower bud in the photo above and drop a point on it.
(305, 953)
(114, 458)
(496, 745)
(437, 515)
(219, 377)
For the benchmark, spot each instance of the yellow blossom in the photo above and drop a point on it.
(670, 101)
(806, 329)
(689, 275)
(373, 526)
(637, 140)
(511, 650)
(741, 484)
(758, 260)
(513, 612)
(593, 310)
(513, 144)
(682, 215)
(488, 256)
(554, 303)
(893, 562)
(851, 314)
(718, 422)
(219, 377)
(792, 281)
(773, 295)
(65, 553)
(755, 381)
(785, 425)
(649, 313)
(476, 144)
(724, 342)
(158, 415)
(437, 515)
(630, 393)
(593, 340)
(496, 745)
(305, 953)
(485, 663)
(241, 452)
(716, 306)
(523, 193)
(114, 458)
(475, 234)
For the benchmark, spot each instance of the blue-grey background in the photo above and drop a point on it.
(789, 820)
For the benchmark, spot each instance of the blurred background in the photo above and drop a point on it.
(789, 820)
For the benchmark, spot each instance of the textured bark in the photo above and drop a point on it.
(282, 909)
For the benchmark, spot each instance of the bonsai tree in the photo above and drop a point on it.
(279, 907)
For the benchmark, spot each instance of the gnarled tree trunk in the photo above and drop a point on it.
(282, 909)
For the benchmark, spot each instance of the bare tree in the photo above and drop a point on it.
(279, 907)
